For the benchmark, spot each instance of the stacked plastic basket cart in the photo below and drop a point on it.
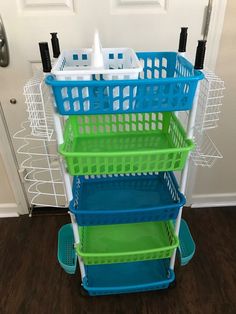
(121, 139)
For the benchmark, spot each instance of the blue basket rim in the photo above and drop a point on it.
(120, 211)
(198, 75)
(51, 80)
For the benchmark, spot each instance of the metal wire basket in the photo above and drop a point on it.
(39, 106)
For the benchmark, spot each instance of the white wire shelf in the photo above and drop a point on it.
(48, 194)
(39, 106)
(210, 101)
(42, 173)
(45, 188)
(49, 200)
(39, 162)
(44, 176)
(206, 152)
(31, 162)
(42, 149)
(25, 133)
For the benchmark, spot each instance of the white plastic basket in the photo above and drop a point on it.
(119, 64)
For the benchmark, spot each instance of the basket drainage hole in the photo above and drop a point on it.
(75, 57)
(111, 56)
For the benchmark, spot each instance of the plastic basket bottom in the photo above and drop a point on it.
(122, 142)
(128, 277)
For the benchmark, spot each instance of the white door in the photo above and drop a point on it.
(6, 193)
(144, 25)
(13, 200)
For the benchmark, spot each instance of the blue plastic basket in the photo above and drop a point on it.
(186, 244)
(118, 199)
(128, 277)
(66, 253)
(168, 83)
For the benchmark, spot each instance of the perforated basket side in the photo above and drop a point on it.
(66, 253)
(168, 83)
(138, 276)
(119, 63)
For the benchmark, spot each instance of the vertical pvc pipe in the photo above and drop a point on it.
(60, 140)
(77, 241)
(183, 55)
(182, 47)
(58, 128)
(193, 112)
(59, 133)
(184, 176)
(75, 228)
(66, 176)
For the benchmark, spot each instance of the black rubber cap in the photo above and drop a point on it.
(45, 57)
(55, 45)
(183, 39)
(200, 55)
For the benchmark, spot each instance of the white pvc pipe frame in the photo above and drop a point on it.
(77, 241)
(184, 175)
(60, 140)
(183, 55)
(59, 133)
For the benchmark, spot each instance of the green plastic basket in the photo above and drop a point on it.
(126, 242)
(124, 143)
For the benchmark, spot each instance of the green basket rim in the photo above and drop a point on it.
(188, 148)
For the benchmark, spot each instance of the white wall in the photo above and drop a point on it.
(218, 184)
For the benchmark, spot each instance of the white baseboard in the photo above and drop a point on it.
(213, 200)
(8, 210)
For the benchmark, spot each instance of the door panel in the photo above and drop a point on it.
(144, 25)
(6, 193)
